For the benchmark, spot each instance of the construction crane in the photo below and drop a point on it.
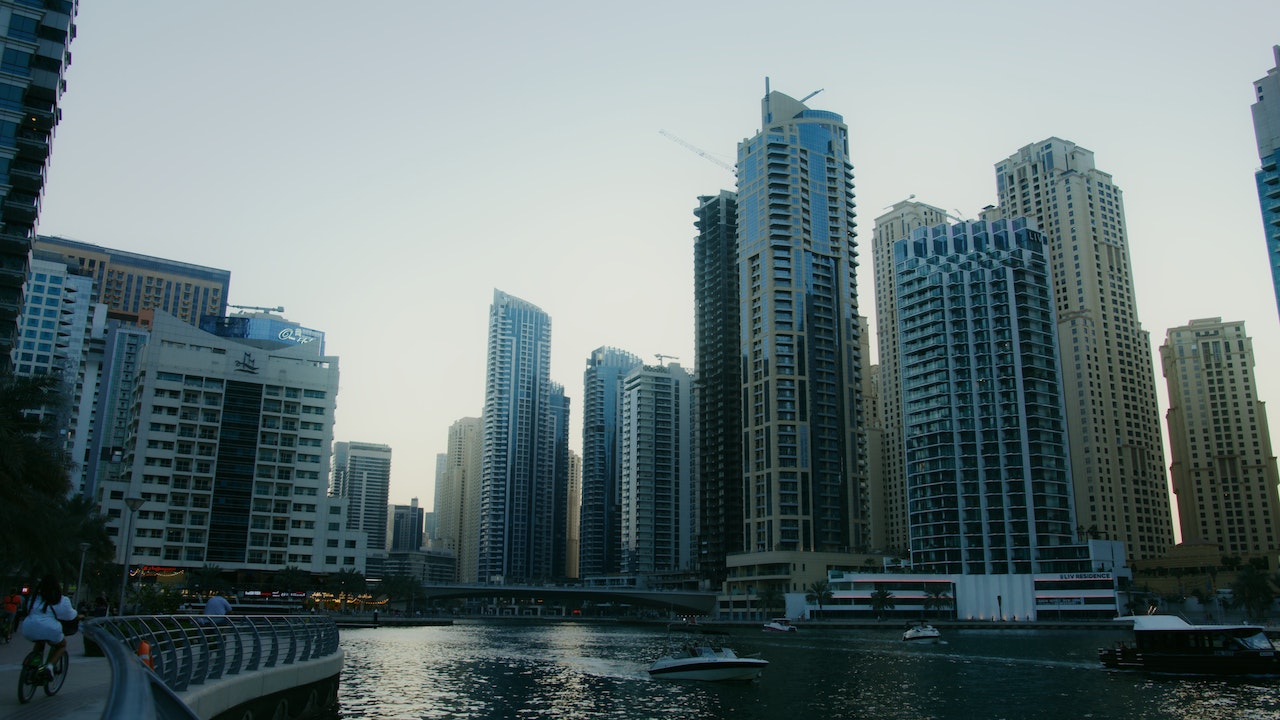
(701, 152)
(277, 309)
(662, 357)
(815, 92)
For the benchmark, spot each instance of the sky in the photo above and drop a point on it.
(380, 168)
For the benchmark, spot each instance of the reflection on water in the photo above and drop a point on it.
(583, 671)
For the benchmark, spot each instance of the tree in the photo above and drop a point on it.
(206, 579)
(818, 592)
(401, 587)
(771, 598)
(881, 600)
(292, 578)
(936, 598)
(1252, 591)
(346, 584)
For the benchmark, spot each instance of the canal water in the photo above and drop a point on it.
(588, 671)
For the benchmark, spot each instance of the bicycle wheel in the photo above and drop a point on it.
(26, 676)
(59, 676)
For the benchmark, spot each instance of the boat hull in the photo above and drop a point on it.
(1185, 664)
(711, 670)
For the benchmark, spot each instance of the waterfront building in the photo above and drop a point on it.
(114, 379)
(130, 284)
(517, 475)
(61, 330)
(1224, 470)
(573, 549)
(226, 447)
(988, 481)
(437, 501)
(1266, 129)
(805, 474)
(718, 386)
(35, 50)
(458, 500)
(656, 464)
(889, 523)
(560, 479)
(362, 479)
(1113, 422)
(600, 524)
(405, 525)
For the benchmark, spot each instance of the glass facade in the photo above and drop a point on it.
(599, 527)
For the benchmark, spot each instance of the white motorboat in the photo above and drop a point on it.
(922, 631)
(701, 658)
(779, 625)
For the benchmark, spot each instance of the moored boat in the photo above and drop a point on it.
(921, 631)
(1169, 644)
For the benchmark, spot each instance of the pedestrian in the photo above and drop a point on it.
(217, 605)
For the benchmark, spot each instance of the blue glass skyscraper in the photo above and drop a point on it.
(517, 471)
(988, 480)
(1266, 127)
(804, 475)
(600, 526)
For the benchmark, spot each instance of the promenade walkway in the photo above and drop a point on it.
(82, 697)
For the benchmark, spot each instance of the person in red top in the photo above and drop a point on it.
(12, 602)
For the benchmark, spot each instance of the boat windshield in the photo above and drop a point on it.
(1256, 641)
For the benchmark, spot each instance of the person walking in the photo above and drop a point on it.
(43, 624)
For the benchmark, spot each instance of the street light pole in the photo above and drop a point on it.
(133, 504)
(84, 547)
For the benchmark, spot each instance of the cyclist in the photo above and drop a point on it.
(43, 624)
(11, 603)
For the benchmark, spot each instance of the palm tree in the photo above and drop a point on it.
(819, 591)
(401, 587)
(1252, 590)
(936, 598)
(770, 598)
(206, 579)
(881, 600)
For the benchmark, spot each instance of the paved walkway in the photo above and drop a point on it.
(82, 697)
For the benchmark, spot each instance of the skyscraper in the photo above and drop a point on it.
(805, 473)
(1224, 470)
(1117, 456)
(35, 50)
(130, 284)
(657, 470)
(362, 477)
(517, 496)
(600, 525)
(560, 481)
(988, 487)
(719, 383)
(458, 503)
(1266, 128)
(889, 526)
(405, 525)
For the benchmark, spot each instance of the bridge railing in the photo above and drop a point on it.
(186, 650)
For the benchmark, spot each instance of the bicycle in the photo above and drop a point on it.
(33, 674)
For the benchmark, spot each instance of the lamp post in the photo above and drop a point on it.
(84, 547)
(133, 503)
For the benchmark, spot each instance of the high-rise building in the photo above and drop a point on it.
(805, 475)
(227, 450)
(517, 475)
(1117, 454)
(718, 393)
(575, 514)
(458, 501)
(560, 479)
(35, 50)
(362, 477)
(1266, 128)
(130, 284)
(1224, 470)
(656, 461)
(405, 524)
(985, 443)
(889, 523)
(437, 501)
(600, 524)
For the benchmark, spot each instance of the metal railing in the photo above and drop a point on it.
(186, 650)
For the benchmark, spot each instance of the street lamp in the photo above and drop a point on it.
(84, 547)
(133, 503)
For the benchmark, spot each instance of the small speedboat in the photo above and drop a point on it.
(921, 631)
(700, 658)
(779, 625)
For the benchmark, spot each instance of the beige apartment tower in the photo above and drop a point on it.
(458, 515)
(1113, 421)
(1224, 471)
(889, 529)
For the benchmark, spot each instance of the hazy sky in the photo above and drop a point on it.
(378, 168)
